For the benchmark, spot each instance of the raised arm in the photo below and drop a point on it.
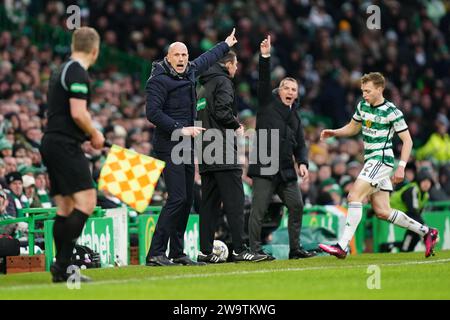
(264, 86)
(207, 59)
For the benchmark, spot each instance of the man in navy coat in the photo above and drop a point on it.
(171, 102)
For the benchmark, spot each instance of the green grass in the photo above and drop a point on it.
(403, 276)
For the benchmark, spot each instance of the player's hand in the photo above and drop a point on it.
(327, 133)
(231, 39)
(240, 131)
(97, 140)
(265, 47)
(399, 175)
(192, 131)
(303, 172)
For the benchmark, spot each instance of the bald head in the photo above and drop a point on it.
(178, 56)
(176, 46)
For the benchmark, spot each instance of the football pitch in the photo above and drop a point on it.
(366, 276)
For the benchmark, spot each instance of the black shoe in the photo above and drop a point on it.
(186, 261)
(59, 274)
(300, 254)
(161, 261)
(269, 256)
(209, 258)
(247, 255)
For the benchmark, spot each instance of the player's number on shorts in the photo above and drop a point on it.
(367, 169)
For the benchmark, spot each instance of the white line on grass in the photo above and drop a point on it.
(233, 273)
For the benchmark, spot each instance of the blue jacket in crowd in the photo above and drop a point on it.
(171, 97)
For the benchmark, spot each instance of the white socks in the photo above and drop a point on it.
(402, 220)
(353, 218)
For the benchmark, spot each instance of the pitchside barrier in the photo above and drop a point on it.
(108, 231)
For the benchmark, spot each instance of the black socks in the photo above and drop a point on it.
(58, 232)
(66, 232)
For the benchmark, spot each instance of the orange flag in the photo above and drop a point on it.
(130, 176)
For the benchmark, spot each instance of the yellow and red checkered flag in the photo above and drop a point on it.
(130, 176)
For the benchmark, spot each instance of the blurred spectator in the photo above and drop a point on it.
(444, 179)
(441, 187)
(309, 189)
(17, 198)
(5, 148)
(2, 173)
(437, 147)
(410, 172)
(339, 168)
(4, 215)
(346, 183)
(330, 193)
(29, 191)
(353, 169)
(324, 173)
(42, 190)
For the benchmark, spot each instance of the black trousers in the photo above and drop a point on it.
(411, 238)
(222, 187)
(289, 192)
(172, 221)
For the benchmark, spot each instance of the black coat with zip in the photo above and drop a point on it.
(216, 110)
(272, 114)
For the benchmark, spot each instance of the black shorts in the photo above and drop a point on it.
(68, 168)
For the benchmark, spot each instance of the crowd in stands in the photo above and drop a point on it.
(326, 45)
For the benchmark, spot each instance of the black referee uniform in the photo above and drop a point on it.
(61, 151)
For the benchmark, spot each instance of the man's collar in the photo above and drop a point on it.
(82, 63)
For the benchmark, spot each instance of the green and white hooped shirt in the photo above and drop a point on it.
(378, 126)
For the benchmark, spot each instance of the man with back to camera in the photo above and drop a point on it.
(379, 119)
(277, 110)
(69, 125)
(222, 179)
(171, 102)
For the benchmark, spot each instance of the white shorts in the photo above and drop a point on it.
(378, 175)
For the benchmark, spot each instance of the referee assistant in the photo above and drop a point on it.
(69, 125)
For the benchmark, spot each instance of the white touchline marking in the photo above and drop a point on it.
(220, 274)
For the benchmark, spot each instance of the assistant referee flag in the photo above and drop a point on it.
(130, 176)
